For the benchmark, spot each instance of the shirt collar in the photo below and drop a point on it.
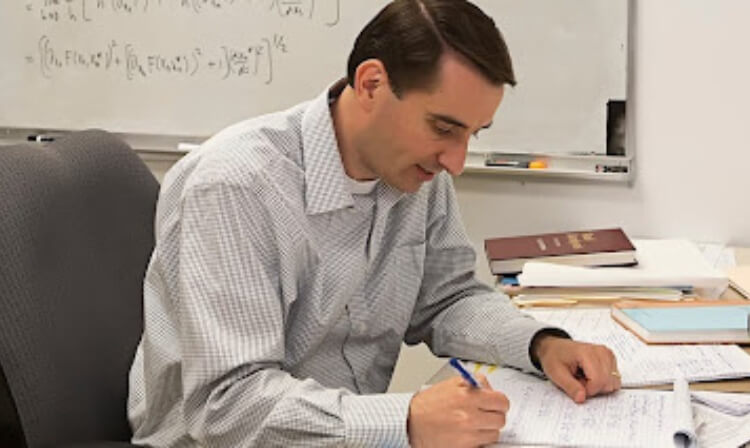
(362, 187)
(327, 185)
(327, 188)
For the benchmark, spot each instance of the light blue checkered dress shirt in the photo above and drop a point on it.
(276, 300)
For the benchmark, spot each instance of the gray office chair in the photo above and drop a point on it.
(76, 233)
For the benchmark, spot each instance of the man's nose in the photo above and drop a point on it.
(454, 158)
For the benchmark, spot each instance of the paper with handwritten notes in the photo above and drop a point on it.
(628, 418)
(641, 364)
(542, 415)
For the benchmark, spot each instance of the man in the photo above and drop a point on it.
(296, 251)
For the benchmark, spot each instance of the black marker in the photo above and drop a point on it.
(40, 138)
(507, 163)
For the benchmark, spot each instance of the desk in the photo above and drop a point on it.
(742, 256)
(742, 385)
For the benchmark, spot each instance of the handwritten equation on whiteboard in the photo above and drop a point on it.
(254, 58)
(89, 10)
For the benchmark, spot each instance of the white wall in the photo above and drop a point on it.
(689, 120)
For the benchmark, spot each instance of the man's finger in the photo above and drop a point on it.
(616, 383)
(488, 437)
(565, 380)
(483, 381)
(489, 421)
(611, 371)
(601, 371)
(493, 401)
(598, 375)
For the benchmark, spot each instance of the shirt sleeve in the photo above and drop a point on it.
(456, 314)
(231, 333)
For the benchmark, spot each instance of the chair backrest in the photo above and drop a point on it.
(76, 234)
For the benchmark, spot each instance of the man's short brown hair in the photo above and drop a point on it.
(410, 36)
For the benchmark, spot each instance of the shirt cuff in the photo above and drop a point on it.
(376, 420)
(550, 331)
(514, 343)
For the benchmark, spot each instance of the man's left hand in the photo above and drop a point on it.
(581, 370)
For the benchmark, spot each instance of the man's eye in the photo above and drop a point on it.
(442, 129)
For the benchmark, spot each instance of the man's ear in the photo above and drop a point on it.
(370, 81)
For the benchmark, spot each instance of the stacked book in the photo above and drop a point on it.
(603, 247)
(698, 321)
(601, 265)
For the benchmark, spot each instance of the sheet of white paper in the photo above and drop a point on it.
(541, 414)
(718, 255)
(661, 263)
(641, 364)
(736, 404)
(684, 428)
(717, 430)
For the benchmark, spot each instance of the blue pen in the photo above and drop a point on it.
(456, 364)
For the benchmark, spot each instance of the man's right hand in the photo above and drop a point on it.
(454, 414)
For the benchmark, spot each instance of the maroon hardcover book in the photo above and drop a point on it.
(601, 247)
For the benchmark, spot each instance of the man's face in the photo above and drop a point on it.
(411, 139)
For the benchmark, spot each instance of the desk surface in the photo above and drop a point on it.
(742, 256)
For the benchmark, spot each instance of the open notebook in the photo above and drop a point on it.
(542, 415)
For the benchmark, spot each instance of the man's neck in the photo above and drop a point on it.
(347, 124)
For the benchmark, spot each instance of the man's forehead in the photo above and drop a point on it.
(455, 121)
(473, 110)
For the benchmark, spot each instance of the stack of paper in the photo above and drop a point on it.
(676, 264)
(632, 418)
(541, 296)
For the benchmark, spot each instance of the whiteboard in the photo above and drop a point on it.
(192, 67)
